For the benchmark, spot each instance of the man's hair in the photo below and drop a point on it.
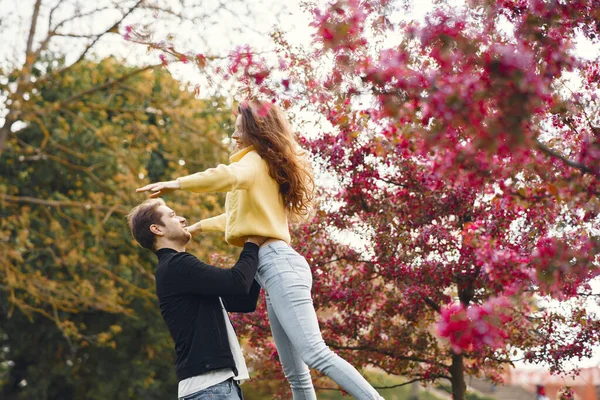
(141, 217)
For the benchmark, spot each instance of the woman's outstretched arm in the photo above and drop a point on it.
(158, 189)
(214, 224)
(223, 178)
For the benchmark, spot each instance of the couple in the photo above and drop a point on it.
(267, 183)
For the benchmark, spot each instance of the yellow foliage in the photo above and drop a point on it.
(103, 337)
(80, 255)
(22, 236)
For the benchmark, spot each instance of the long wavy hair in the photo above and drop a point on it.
(268, 130)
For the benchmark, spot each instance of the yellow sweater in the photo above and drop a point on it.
(253, 205)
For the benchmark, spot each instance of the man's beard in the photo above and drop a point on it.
(182, 237)
(186, 236)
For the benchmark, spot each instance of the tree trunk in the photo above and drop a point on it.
(459, 387)
(4, 132)
(414, 391)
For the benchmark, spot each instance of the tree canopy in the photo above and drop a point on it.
(467, 151)
(79, 313)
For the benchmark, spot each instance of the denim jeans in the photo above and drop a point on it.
(226, 390)
(285, 275)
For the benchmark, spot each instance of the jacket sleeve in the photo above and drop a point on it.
(188, 275)
(223, 178)
(245, 303)
(214, 224)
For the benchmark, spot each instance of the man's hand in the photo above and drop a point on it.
(160, 188)
(258, 240)
(194, 229)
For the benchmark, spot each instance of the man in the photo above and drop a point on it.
(194, 298)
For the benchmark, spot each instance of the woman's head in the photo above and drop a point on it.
(262, 125)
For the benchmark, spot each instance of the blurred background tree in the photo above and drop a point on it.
(79, 315)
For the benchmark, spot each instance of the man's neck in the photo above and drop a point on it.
(170, 245)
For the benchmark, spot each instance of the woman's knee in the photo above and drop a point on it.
(318, 357)
(299, 378)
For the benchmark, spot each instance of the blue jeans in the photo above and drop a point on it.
(226, 390)
(285, 275)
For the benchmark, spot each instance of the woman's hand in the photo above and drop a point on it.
(194, 229)
(160, 188)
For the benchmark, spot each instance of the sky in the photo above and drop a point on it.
(216, 31)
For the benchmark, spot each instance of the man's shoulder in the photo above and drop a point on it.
(180, 259)
(175, 267)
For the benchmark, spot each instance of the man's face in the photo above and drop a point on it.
(174, 225)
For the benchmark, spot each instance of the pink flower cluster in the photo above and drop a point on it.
(340, 27)
(244, 62)
(566, 393)
(477, 326)
(564, 265)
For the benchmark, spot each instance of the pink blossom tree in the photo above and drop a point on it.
(467, 153)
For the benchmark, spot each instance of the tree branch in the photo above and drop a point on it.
(105, 85)
(113, 28)
(5, 131)
(345, 259)
(34, 18)
(51, 15)
(554, 154)
(392, 182)
(49, 35)
(384, 352)
(80, 15)
(388, 387)
(412, 381)
(432, 304)
(532, 198)
(12, 117)
(594, 130)
(53, 32)
(73, 35)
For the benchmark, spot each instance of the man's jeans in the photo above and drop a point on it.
(226, 390)
(285, 275)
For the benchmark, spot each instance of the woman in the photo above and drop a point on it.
(268, 182)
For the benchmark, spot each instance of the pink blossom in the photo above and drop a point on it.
(476, 326)
(163, 59)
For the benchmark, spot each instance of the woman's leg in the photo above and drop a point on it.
(295, 370)
(286, 277)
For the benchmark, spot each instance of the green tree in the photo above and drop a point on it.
(78, 313)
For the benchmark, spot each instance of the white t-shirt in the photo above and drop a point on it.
(200, 382)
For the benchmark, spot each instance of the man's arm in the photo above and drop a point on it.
(191, 276)
(245, 303)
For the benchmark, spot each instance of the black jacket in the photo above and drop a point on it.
(188, 294)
